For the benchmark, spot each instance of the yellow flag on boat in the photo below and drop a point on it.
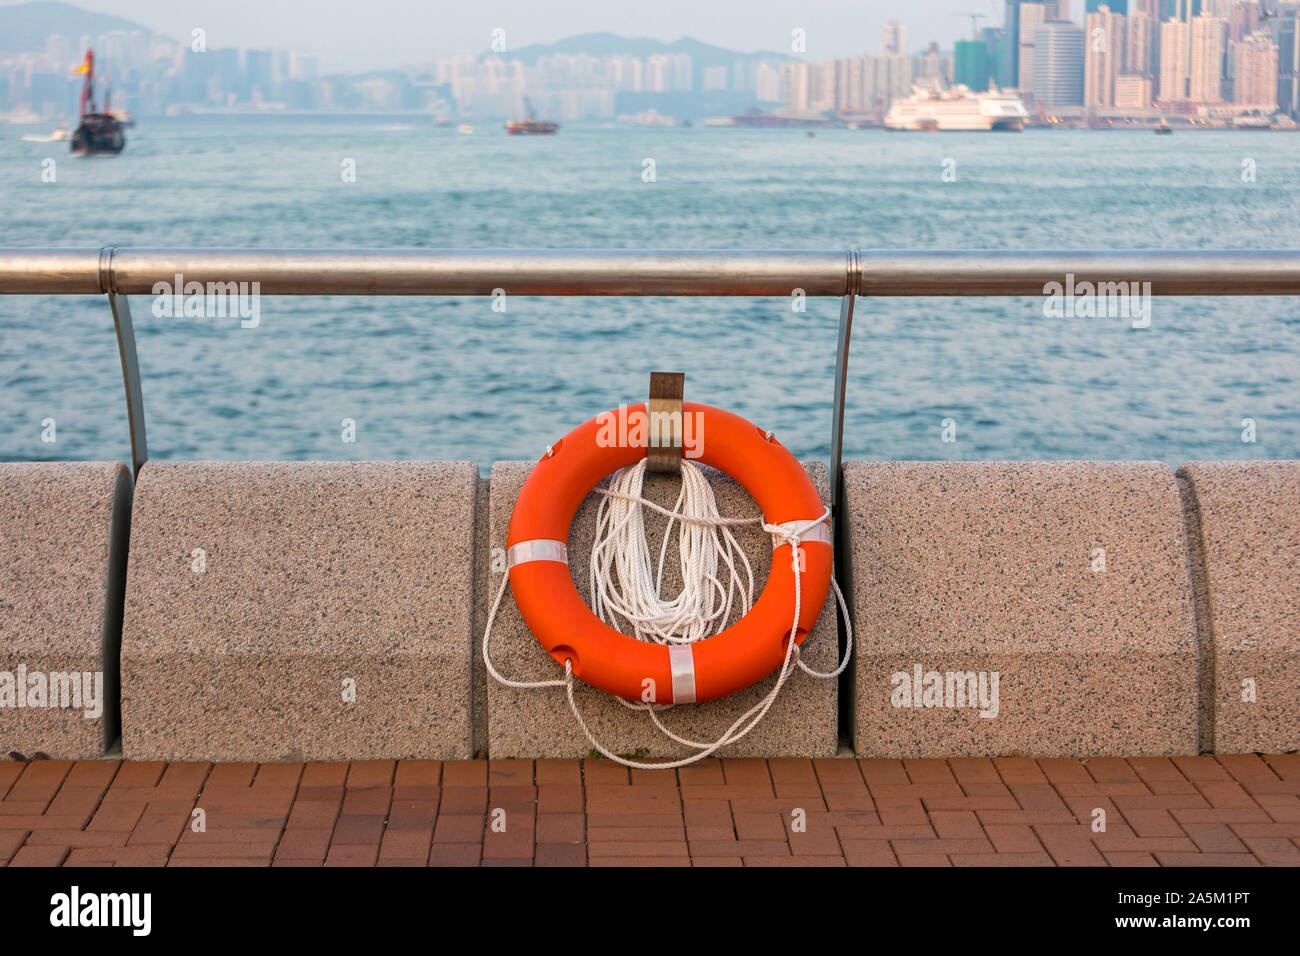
(84, 68)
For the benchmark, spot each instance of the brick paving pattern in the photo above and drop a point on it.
(1225, 810)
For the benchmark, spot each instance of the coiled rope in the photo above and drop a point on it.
(625, 585)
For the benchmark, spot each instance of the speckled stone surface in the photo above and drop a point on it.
(1245, 522)
(478, 696)
(316, 574)
(538, 723)
(60, 602)
(989, 567)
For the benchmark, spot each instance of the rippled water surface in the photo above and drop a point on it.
(452, 379)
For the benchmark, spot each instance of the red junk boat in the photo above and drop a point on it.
(98, 132)
(531, 126)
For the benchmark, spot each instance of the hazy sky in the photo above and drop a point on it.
(362, 34)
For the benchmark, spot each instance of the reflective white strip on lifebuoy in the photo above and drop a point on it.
(538, 549)
(818, 532)
(681, 658)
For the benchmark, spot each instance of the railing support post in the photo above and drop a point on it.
(839, 526)
(130, 378)
(841, 384)
(853, 282)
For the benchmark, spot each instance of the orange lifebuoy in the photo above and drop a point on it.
(749, 650)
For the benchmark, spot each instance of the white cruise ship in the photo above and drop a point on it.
(957, 109)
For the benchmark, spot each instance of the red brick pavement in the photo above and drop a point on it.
(1239, 810)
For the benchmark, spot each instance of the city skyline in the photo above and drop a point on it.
(1210, 59)
(332, 31)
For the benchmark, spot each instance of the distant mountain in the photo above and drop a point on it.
(23, 28)
(611, 44)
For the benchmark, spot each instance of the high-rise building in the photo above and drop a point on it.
(993, 46)
(1058, 64)
(893, 80)
(1103, 56)
(894, 39)
(1255, 82)
(1009, 51)
(1173, 61)
(822, 97)
(1205, 82)
(767, 83)
(1286, 34)
(852, 91)
(683, 72)
(1243, 17)
(1141, 45)
(931, 65)
(971, 63)
(796, 86)
(1032, 16)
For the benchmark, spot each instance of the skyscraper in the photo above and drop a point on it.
(971, 63)
(893, 40)
(1286, 34)
(1141, 45)
(796, 86)
(1058, 64)
(1103, 57)
(1242, 18)
(1256, 83)
(1205, 81)
(1173, 61)
(1032, 16)
(1009, 54)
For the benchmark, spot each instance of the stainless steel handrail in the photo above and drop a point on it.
(122, 272)
(643, 273)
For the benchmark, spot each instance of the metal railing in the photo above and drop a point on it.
(122, 272)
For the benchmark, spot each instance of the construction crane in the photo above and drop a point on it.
(974, 22)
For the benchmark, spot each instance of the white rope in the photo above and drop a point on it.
(624, 586)
(487, 654)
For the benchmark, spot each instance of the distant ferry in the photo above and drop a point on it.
(957, 109)
(531, 126)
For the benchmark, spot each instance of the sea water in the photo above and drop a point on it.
(454, 378)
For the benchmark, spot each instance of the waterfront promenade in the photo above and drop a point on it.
(1229, 810)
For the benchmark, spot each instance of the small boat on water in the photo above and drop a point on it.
(465, 128)
(58, 136)
(1163, 128)
(531, 126)
(99, 133)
